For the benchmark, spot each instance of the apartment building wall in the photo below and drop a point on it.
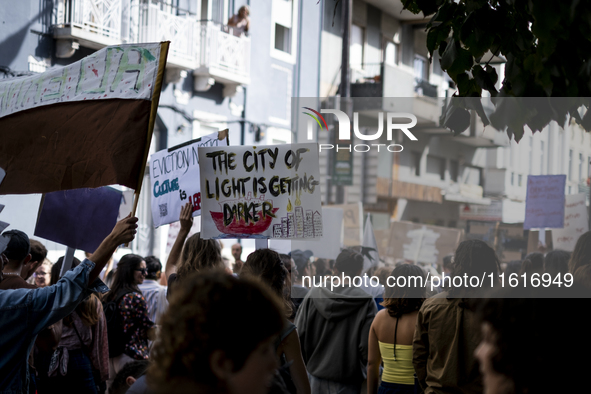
(186, 113)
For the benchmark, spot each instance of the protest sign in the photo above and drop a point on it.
(175, 179)
(126, 204)
(575, 223)
(88, 124)
(421, 243)
(544, 203)
(260, 192)
(20, 211)
(79, 218)
(329, 246)
(352, 229)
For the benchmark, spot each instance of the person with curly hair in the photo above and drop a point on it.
(392, 331)
(447, 329)
(267, 265)
(130, 340)
(199, 349)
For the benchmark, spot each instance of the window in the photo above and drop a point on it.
(390, 52)
(541, 157)
(415, 165)
(282, 38)
(356, 48)
(531, 155)
(472, 176)
(436, 166)
(512, 179)
(454, 170)
(421, 68)
(570, 165)
(519, 180)
(283, 29)
(581, 166)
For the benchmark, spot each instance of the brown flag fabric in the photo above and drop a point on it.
(85, 125)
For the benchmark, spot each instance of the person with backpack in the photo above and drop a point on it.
(26, 313)
(128, 324)
(81, 360)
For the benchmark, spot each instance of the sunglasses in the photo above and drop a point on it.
(144, 271)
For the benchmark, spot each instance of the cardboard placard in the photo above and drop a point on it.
(421, 243)
(352, 223)
(261, 192)
(175, 178)
(575, 223)
(544, 203)
(79, 218)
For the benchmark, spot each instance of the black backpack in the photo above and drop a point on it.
(117, 339)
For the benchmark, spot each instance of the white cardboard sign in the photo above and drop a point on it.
(175, 178)
(575, 223)
(261, 192)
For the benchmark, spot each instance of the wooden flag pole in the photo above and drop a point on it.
(153, 111)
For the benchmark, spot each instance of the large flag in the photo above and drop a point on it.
(85, 125)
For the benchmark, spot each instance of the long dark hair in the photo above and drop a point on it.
(266, 264)
(87, 310)
(400, 300)
(124, 280)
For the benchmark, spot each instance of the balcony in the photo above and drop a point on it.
(224, 57)
(181, 30)
(94, 24)
(396, 89)
(210, 49)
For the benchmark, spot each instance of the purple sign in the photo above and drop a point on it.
(544, 204)
(79, 218)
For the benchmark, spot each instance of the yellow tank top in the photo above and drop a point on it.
(400, 371)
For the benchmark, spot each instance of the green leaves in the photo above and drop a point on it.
(456, 59)
(548, 50)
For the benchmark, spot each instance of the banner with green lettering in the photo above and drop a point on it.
(87, 124)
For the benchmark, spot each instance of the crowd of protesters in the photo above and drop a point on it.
(256, 327)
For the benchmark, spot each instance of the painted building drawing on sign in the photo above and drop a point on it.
(260, 191)
(175, 178)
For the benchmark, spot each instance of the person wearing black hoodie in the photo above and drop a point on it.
(333, 327)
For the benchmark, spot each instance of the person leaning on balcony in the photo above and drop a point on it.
(240, 23)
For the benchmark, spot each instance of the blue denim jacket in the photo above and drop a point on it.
(24, 313)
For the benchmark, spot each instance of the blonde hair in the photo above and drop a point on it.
(199, 254)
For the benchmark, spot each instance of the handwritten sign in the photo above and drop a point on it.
(352, 230)
(127, 72)
(175, 178)
(421, 243)
(575, 223)
(544, 203)
(261, 192)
